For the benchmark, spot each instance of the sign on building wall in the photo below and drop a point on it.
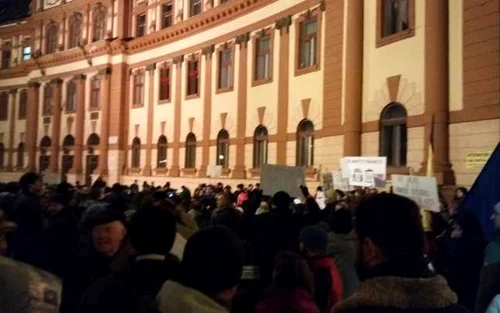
(423, 190)
(364, 171)
(214, 170)
(476, 159)
(274, 178)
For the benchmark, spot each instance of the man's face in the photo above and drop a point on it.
(221, 201)
(37, 186)
(495, 217)
(3, 245)
(107, 238)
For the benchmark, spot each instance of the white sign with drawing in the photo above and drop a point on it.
(274, 178)
(423, 190)
(365, 171)
(214, 170)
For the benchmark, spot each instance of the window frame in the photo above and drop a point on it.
(28, 54)
(47, 100)
(99, 23)
(6, 58)
(141, 29)
(71, 99)
(393, 148)
(4, 105)
(23, 105)
(164, 15)
(95, 94)
(223, 146)
(161, 84)
(259, 139)
(190, 151)
(304, 133)
(310, 16)
(269, 34)
(188, 77)
(51, 37)
(192, 5)
(135, 149)
(225, 48)
(75, 30)
(138, 80)
(161, 151)
(382, 40)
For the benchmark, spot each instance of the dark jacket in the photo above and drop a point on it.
(131, 291)
(228, 217)
(28, 240)
(342, 248)
(288, 301)
(328, 288)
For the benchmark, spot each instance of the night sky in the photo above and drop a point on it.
(11, 10)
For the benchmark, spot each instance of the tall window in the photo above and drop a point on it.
(308, 43)
(136, 153)
(395, 16)
(75, 30)
(47, 100)
(44, 160)
(23, 103)
(51, 37)
(166, 15)
(193, 78)
(99, 23)
(161, 160)
(2, 155)
(305, 144)
(194, 7)
(4, 105)
(260, 139)
(26, 53)
(93, 140)
(138, 89)
(140, 25)
(165, 83)
(95, 93)
(223, 148)
(68, 141)
(262, 58)
(6, 56)
(225, 69)
(393, 134)
(71, 96)
(20, 156)
(190, 151)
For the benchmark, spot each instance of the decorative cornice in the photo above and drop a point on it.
(79, 77)
(178, 59)
(322, 5)
(151, 67)
(33, 84)
(208, 51)
(242, 39)
(284, 23)
(13, 91)
(56, 81)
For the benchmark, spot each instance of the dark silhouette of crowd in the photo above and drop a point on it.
(148, 249)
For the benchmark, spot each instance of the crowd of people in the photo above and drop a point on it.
(128, 249)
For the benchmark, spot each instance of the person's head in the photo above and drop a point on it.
(57, 202)
(223, 200)
(5, 227)
(117, 188)
(257, 186)
(108, 232)
(341, 222)
(240, 187)
(281, 201)
(495, 217)
(319, 188)
(461, 192)
(152, 231)
(291, 271)
(313, 240)
(213, 262)
(250, 187)
(31, 182)
(389, 229)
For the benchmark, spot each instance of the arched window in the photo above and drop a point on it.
(44, 161)
(161, 160)
(393, 135)
(190, 151)
(136, 153)
(93, 140)
(71, 96)
(47, 100)
(260, 139)
(45, 142)
(51, 37)
(20, 155)
(4, 105)
(2, 155)
(223, 148)
(69, 141)
(99, 23)
(305, 143)
(75, 30)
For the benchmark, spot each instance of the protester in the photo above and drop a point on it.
(226, 214)
(396, 276)
(320, 197)
(293, 288)
(5, 228)
(210, 271)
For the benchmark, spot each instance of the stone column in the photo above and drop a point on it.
(104, 103)
(148, 171)
(207, 107)
(239, 169)
(353, 78)
(283, 26)
(175, 169)
(436, 88)
(56, 124)
(32, 123)
(12, 128)
(79, 80)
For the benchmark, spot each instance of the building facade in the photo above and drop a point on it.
(159, 90)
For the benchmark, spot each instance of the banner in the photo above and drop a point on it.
(421, 189)
(274, 178)
(365, 171)
(214, 170)
(340, 182)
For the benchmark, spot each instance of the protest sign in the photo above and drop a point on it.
(328, 182)
(214, 170)
(365, 171)
(274, 178)
(423, 190)
(340, 182)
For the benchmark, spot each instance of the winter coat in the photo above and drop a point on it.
(394, 294)
(296, 300)
(489, 286)
(327, 283)
(177, 298)
(131, 291)
(494, 306)
(228, 217)
(342, 248)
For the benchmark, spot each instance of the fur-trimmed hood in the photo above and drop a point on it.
(400, 293)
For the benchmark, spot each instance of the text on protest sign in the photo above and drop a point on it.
(422, 190)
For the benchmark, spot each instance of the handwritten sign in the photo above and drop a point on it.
(422, 190)
(274, 178)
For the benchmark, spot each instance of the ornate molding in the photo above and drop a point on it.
(105, 71)
(79, 77)
(151, 67)
(208, 51)
(33, 84)
(56, 81)
(13, 91)
(242, 39)
(178, 59)
(284, 23)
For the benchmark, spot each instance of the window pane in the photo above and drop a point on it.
(167, 15)
(395, 15)
(27, 53)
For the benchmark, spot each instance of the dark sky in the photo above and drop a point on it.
(13, 9)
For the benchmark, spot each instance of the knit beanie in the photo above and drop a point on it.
(314, 238)
(213, 260)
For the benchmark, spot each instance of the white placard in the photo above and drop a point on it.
(364, 171)
(328, 182)
(48, 4)
(112, 140)
(274, 178)
(423, 190)
(340, 182)
(214, 170)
